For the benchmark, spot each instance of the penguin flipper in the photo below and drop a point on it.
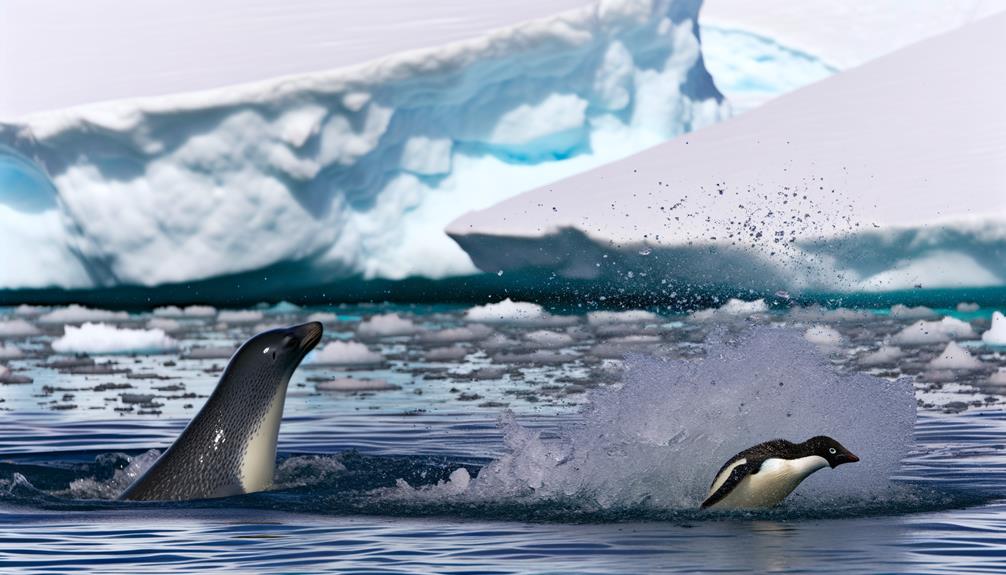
(736, 476)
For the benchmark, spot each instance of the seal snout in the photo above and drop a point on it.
(309, 334)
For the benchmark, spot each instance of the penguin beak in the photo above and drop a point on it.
(847, 457)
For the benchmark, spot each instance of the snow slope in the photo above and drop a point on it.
(887, 176)
(760, 50)
(95, 50)
(353, 172)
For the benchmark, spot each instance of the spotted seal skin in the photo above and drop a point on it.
(229, 448)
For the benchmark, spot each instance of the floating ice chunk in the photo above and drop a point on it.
(10, 352)
(25, 310)
(17, 328)
(823, 335)
(628, 316)
(457, 334)
(79, 314)
(211, 352)
(323, 317)
(923, 332)
(996, 335)
(967, 307)
(168, 325)
(240, 316)
(346, 353)
(189, 311)
(900, 311)
(136, 398)
(453, 353)
(8, 377)
(351, 384)
(387, 325)
(819, 313)
(733, 308)
(999, 377)
(886, 355)
(538, 357)
(284, 307)
(104, 338)
(546, 338)
(506, 311)
(955, 357)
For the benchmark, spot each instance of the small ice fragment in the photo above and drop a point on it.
(351, 384)
(346, 353)
(996, 335)
(955, 357)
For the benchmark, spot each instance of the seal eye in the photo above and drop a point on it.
(265, 351)
(832, 450)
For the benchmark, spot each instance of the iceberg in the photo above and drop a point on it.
(352, 172)
(760, 50)
(886, 177)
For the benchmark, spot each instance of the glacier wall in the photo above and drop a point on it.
(353, 172)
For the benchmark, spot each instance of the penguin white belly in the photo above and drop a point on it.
(776, 479)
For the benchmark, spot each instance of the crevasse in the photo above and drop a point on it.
(348, 173)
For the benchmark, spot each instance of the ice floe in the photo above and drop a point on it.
(102, 338)
(996, 335)
(345, 353)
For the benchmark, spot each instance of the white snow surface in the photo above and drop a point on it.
(103, 338)
(757, 51)
(996, 335)
(889, 176)
(352, 172)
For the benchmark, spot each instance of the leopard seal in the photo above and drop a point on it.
(229, 447)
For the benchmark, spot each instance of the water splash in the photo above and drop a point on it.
(113, 473)
(657, 441)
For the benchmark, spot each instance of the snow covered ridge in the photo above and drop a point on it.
(885, 177)
(348, 173)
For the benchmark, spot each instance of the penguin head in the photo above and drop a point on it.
(832, 451)
(279, 351)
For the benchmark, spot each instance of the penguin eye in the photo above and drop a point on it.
(832, 450)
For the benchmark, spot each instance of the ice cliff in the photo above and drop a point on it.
(888, 176)
(353, 172)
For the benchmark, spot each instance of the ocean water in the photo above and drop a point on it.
(511, 440)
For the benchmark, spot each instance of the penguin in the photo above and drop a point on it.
(763, 475)
(229, 447)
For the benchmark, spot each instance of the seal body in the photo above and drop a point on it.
(229, 448)
(763, 475)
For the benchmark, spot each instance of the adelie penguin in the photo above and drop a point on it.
(765, 474)
(229, 448)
